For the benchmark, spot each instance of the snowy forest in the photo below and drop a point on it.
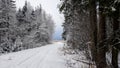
(93, 28)
(91, 34)
(23, 28)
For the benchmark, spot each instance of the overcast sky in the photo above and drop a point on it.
(50, 6)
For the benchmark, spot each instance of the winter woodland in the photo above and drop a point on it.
(91, 34)
(93, 28)
(23, 28)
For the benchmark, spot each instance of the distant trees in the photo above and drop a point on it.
(44, 24)
(93, 24)
(25, 28)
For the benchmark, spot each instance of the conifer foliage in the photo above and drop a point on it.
(93, 26)
(23, 28)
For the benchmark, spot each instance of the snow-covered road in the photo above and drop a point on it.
(48, 56)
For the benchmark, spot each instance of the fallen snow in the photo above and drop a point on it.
(43, 57)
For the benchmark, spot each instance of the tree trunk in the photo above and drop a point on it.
(97, 35)
(114, 57)
(93, 31)
(115, 28)
(101, 36)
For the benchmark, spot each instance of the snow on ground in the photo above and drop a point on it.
(48, 56)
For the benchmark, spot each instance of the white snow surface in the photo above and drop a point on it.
(48, 56)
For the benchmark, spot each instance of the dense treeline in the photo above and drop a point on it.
(93, 25)
(23, 28)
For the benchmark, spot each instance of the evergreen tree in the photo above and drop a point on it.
(7, 20)
(99, 15)
(26, 28)
(34, 26)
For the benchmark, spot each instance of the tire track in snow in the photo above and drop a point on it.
(42, 60)
(27, 58)
(42, 57)
(38, 56)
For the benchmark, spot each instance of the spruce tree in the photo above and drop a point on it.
(7, 17)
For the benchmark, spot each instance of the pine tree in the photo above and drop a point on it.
(34, 26)
(76, 11)
(7, 21)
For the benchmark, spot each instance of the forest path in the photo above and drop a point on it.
(48, 56)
